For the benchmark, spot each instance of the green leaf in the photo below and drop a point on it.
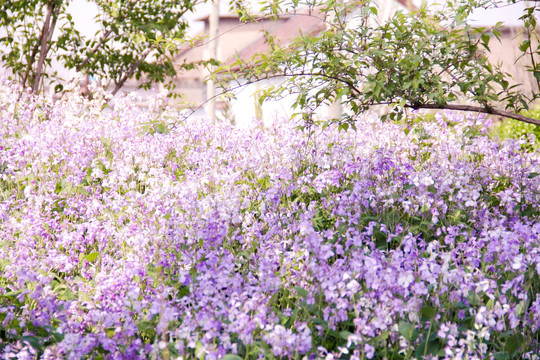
(172, 349)
(485, 40)
(428, 312)
(232, 357)
(184, 291)
(91, 257)
(11, 293)
(33, 341)
(408, 331)
(521, 307)
(199, 351)
(301, 291)
(427, 348)
(67, 294)
(524, 45)
(514, 342)
(145, 325)
(345, 335)
(58, 187)
(502, 355)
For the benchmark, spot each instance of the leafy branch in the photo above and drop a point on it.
(139, 39)
(420, 59)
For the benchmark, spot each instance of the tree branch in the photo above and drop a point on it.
(471, 108)
(135, 66)
(43, 46)
(132, 70)
(104, 38)
(46, 36)
(478, 109)
(31, 61)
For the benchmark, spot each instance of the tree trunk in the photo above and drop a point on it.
(479, 109)
(53, 9)
(212, 54)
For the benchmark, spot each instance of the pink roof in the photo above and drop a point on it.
(285, 33)
(300, 23)
(221, 17)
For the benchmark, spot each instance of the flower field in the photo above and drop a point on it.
(124, 237)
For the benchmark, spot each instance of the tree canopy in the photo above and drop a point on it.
(137, 39)
(424, 58)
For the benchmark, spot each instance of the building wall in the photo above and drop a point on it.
(506, 52)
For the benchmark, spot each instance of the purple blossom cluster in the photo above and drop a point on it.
(131, 234)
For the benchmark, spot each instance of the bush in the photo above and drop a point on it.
(130, 234)
(513, 129)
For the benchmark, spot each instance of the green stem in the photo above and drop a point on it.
(427, 338)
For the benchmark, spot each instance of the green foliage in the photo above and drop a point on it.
(512, 129)
(137, 40)
(19, 301)
(423, 58)
(27, 28)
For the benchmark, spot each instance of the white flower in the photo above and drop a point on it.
(425, 180)
(353, 286)
(405, 278)
(470, 203)
(305, 227)
(516, 265)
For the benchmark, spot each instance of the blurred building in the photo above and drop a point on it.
(238, 40)
(505, 52)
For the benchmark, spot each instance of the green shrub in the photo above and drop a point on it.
(513, 129)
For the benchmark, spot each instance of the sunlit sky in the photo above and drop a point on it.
(84, 12)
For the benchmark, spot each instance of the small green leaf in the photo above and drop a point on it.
(514, 342)
(428, 312)
(408, 331)
(485, 40)
(33, 341)
(58, 187)
(524, 45)
(67, 294)
(145, 325)
(232, 357)
(11, 293)
(91, 257)
(521, 307)
(184, 291)
(427, 348)
(502, 355)
(199, 351)
(301, 291)
(345, 335)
